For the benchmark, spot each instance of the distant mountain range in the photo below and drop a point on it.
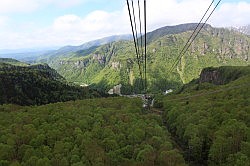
(94, 43)
(170, 30)
(26, 50)
(31, 55)
(68, 50)
(115, 62)
(23, 56)
(110, 61)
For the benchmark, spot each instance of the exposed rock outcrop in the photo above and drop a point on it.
(100, 58)
(211, 76)
(223, 75)
(116, 65)
(77, 64)
(115, 90)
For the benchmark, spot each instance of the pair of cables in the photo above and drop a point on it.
(141, 55)
(195, 33)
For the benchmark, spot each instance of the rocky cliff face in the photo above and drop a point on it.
(223, 75)
(211, 75)
(225, 43)
(100, 58)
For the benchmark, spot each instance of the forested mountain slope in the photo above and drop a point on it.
(211, 121)
(12, 62)
(115, 63)
(108, 131)
(205, 124)
(36, 85)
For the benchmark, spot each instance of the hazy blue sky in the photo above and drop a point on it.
(46, 23)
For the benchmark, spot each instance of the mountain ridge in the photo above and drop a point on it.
(115, 63)
(37, 85)
(12, 61)
(68, 50)
(176, 29)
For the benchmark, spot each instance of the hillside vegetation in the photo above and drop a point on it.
(206, 123)
(12, 62)
(212, 122)
(115, 63)
(36, 85)
(111, 131)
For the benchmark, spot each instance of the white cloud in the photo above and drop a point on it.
(69, 3)
(70, 30)
(74, 30)
(3, 21)
(232, 14)
(24, 6)
(62, 3)
(10, 6)
(67, 22)
(172, 12)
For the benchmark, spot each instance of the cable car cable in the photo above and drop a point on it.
(145, 44)
(183, 52)
(194, 30)
(133, 33)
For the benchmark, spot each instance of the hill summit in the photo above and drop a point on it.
(36, 85)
